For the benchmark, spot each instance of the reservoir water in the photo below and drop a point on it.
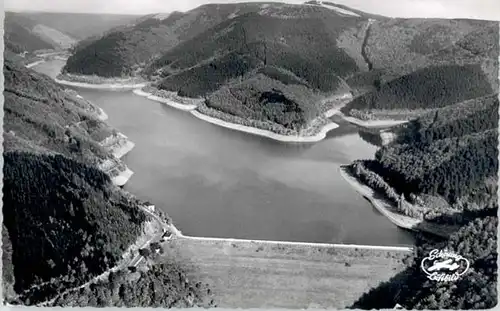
(217, 182)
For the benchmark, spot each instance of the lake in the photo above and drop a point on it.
(217, 182)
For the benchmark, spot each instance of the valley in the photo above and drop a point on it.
(337, 149)
(220, 161)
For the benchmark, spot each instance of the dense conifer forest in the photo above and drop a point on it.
(151, 288)
(477, 289)
(310, 35)
(135, 45)
(64, 221)
(395, 65)
(43, 115)
(431, 87)
(449, 151)
(19, 38)
(449, 159)
(265, 99)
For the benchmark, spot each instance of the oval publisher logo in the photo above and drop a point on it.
(444, 266)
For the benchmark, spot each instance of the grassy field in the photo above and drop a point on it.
(267, 275)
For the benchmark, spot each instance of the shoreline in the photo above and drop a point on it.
(162, 100)
(331, 112)
(50, 53)
(244, 128)
(372, 123)
(102, 86)
(137, 90)
(401, 221)
(122, 178)
(265, 133)
(178, 234)
(272, 273)
(33, 64)
(124, 149)
(367, 192)
(103, 116)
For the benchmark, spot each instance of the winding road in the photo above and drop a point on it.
(133, 262)
(178, 234)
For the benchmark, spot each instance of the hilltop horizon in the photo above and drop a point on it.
(71, 12)
(468, 9)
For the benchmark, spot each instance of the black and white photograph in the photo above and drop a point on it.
(240, 154)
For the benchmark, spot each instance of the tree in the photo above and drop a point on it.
(145, 252)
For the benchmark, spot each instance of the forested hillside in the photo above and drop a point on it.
(394, 67)
(70, 201)
(262, 98)
(442, 167)
(272, 68)
(298, 39)
(425, 64)
(65, 222)
(450, 151)
(163, 286)
(431, 87)
(41, 114)
(32, 31)
(477, 289)
(122, 52)
(465, 118)
(296, 43)
(22, 33)
(19, 36)
(81, 25)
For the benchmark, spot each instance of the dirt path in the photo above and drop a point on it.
(402, 221)
(122, 265)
